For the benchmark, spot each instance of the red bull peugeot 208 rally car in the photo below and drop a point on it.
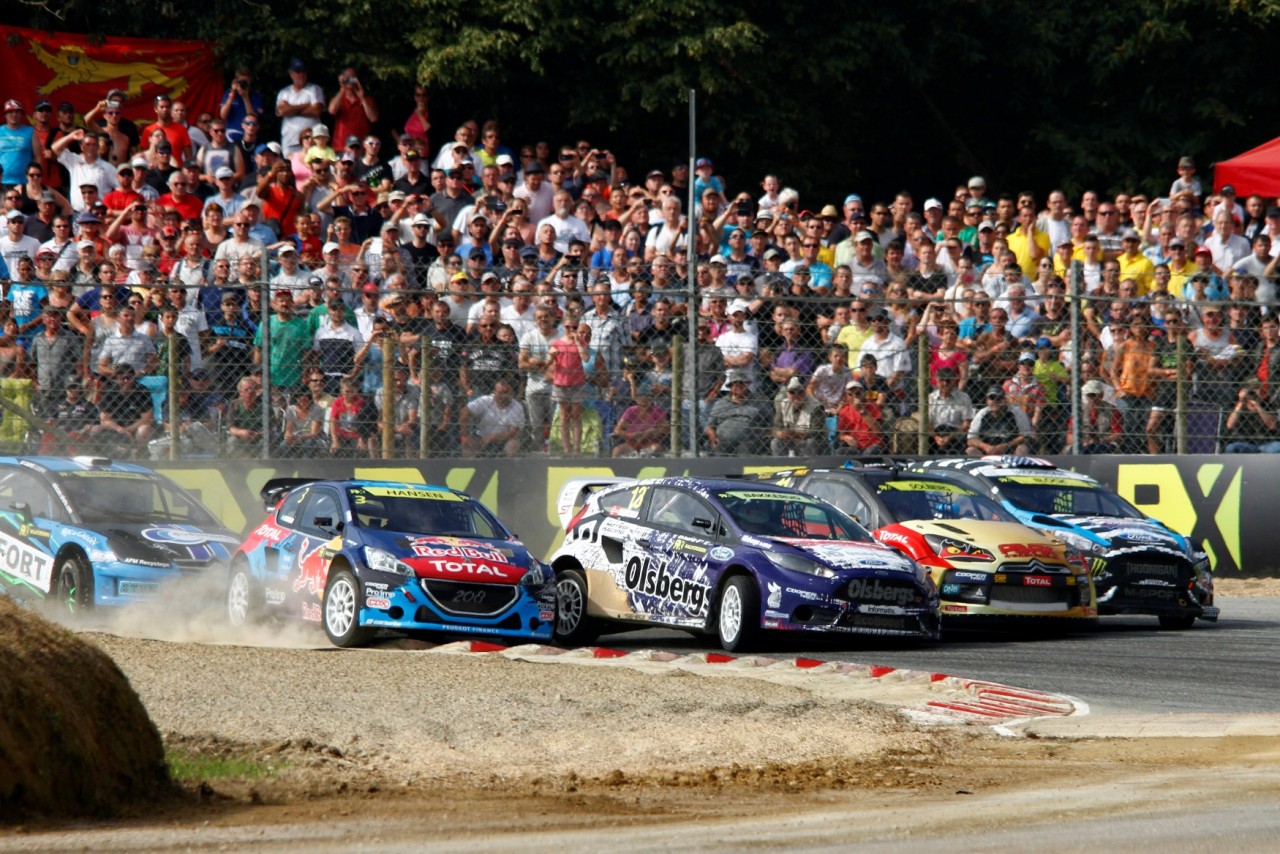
(728, 557)
(359, 556)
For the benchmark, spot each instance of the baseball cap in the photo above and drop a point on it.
(320, 130)
(297, 65)
(329, 247)
(370, 288)
(718, 259)
(504, 160)
(170, 231)
(1094, 387)
(396, 196)
(1044, 344)
(15, 214)
(1027, 357)
(852, 197)
(315, 282)
(124, 167)
(223, 172)
(460, 277)
(1228, 190)
(139, 162)
(986, 226)
(795, 384)
(701, 162)
(977, 182)
(770, 254)
(739, 305)
(353, 141)
(421, 219)
(930, 204)
(863, 235)
(287, 249)
(12, 104)
(995, 392)
(535, 168)
(1186, 162)
(851, 384)
(88, 217)
(1203, 250)
(164, 147)
(1129, 234)
(736, 376)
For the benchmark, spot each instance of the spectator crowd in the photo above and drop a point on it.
(535, 298)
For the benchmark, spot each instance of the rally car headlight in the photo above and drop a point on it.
(797, 563)
(537, 575)
(1081, 543)
(385, 561)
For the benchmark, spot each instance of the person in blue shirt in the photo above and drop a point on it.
(239, 102)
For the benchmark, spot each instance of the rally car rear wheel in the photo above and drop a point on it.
(573, 626)
(738, 614)
(72, 585)
(241, 609)
(342, 610)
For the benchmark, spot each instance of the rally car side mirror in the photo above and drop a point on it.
(23, 509)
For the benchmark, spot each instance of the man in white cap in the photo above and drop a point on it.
(226, 198)
(738, 344)
(799, 422)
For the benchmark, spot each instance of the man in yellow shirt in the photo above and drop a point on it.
(1027, 242)
(858, 331)
(1181, 266)
(1133, 264)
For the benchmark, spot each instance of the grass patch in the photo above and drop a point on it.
(195, 767)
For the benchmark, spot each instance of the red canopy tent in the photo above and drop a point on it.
(1255, 171)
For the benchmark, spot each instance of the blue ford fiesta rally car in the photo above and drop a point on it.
(359, 556)
(1139, 566)
(728, 557)
(82, 533)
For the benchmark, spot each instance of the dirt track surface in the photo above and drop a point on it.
(397, 749)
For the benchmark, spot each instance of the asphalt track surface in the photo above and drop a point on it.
(1127, 665)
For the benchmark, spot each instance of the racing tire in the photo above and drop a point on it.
(72, 589)
(341, 611)
(738, 614)
(242, 610)
(573, 626)
(1178, 623)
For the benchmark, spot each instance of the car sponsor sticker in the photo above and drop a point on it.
(720, 553)
(880, 609)
(762, 495)
(1041, 550)
(871, 590)
(961, 575)
(25, 562)
(1037, 581)
(181, 537)
(924, 486)
(959, 550)
(652, 576)
(380, 602)
(402, 492)
(775, 595)
(955, 609)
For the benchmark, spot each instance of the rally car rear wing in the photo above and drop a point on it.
(577, 490)
(279, 487)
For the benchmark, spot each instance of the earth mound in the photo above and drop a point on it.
(75, 740)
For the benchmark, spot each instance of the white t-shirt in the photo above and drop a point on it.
(191, 322)
(487, 418)
(12, 250)
(292, 126)
(735, 344)
(537, 346)
(567, 229)
(540, 204)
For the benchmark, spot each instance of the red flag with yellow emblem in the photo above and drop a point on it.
(56, 67)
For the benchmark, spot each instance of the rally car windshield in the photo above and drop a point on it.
(781, 514)
(119, 496)
(1069, 497)
(915, 500)
(423, 512)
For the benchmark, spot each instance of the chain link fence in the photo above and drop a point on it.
(386, 359)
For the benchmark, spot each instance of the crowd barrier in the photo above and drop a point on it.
(1221, 501)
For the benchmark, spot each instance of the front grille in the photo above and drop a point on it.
(461, 597)
(879, 591)
(1035, 595)
(1147, 567)
(883, 622)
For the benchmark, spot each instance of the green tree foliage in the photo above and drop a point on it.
(876, 96)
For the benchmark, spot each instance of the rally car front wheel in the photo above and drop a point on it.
(72, 590)
(738, 614)
(573, 626)
(342, 610)
(241, 609)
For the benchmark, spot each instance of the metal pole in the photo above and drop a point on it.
(1076, 356)
(424, 398)
(265, 320)
(677, 391)
(388, 401)
(691, 283)
(1180, 391)
(922, 394)
(172, 370)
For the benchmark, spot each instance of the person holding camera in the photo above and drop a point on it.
(354, 111)
(1251, 424)
(239, 102)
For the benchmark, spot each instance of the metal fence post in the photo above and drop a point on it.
(677, 392)
(265, 348)
(388, 402)
(922, 394)
(424, 397)
(1180, 407)
(172, 370)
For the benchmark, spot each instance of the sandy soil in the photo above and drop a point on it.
(397, 749)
